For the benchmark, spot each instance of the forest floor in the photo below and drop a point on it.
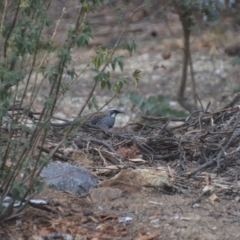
(154, 214)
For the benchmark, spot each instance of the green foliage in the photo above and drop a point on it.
(48, 103)
(101, 57)
(26, 62)
(64, 54)
(136, 76)
(84, 36)
(117, 60)
(152, 105)
(21, 161)
(92, 103)
(18, 191)
(210, 11)
(130, 46)
(118, 85)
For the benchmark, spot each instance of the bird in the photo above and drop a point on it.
(105, 120)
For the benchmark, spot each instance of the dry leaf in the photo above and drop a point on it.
(128, 151)
(108, 217)
(9, 163)
(214, 198)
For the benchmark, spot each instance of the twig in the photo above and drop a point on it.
(100, 154)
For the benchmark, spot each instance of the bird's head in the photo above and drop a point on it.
(113, 112)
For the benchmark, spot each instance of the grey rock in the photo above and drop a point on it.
(66, 177)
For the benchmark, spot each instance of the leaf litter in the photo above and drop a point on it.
(199, 157)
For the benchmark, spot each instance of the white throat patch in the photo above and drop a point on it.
(113, 115)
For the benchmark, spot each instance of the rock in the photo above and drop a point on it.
(66, 177)
(138, 178)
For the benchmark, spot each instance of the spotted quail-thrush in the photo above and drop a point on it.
(104, 119)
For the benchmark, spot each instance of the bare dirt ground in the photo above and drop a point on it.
(155, 214)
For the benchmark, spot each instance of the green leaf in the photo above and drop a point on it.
(48, 103)
(130, 46)
(103, 84)
(136, 77)
(72, 73)
(64, 54)
(120, 83)
(97, 60)
(18, 190)
(117, 60)
(52, 74)
(44, 160)
(84, 36)
(108, 85)
(93, 103)
(152, 105)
